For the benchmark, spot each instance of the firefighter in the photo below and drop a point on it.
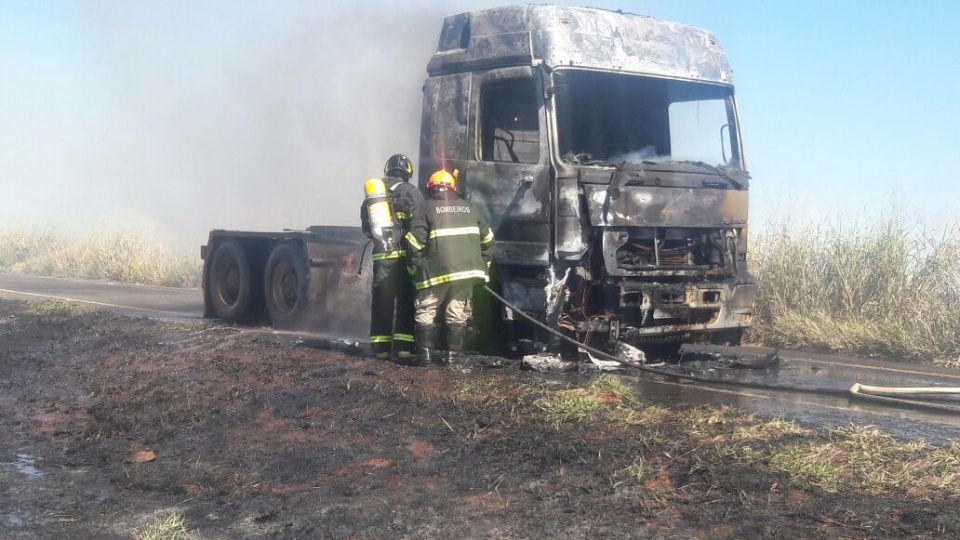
(391, 310)
(449, 247)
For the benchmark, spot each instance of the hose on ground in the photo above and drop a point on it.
(855, 391)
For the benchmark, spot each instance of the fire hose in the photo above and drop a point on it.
(872, 393)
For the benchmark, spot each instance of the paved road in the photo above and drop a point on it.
(796, 367)
(118, 297)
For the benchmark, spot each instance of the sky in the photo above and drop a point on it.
(177, 117)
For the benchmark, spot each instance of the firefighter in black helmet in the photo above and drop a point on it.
(449, 249)
(391, 318)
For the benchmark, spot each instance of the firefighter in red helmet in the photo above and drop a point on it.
(449, 247)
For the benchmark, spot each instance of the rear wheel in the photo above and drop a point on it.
(230, 282)
(285, 284)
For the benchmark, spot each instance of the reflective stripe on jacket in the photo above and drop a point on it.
(449, 240)
(395, 254)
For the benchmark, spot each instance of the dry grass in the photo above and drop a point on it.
(113, 256)
(866, 459)
(861, 458)
(884, 290)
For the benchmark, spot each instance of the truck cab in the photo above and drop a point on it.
(605, 151)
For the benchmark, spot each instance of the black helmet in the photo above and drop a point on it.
(400, 164)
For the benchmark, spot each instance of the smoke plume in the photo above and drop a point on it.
(202, 116)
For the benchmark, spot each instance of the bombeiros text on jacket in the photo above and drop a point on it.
(453, 209)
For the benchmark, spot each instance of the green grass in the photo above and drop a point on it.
(885, 289)
(53, 309)
(170, 527)
(572, 404)
(119, 256)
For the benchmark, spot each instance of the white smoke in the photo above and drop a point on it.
(275, 128)
(184, 116)
(214, 115)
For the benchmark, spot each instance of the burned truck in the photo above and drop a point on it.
(605, 151)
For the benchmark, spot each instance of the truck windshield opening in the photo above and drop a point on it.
(613, 118)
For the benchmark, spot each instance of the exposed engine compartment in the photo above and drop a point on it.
(649, 287)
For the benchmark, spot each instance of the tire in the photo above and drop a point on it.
(285, 285)
(230, 283)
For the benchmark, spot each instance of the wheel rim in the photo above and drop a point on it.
(228, 289)
(285, 287)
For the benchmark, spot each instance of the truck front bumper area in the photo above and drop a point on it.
(658, 311)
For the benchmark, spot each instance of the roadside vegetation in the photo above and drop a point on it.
(120, 256)
(888, 289)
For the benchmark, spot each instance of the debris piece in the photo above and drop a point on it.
(143, 456)
(603, 365)
(763, 361)
(631, 353)
(547, 363)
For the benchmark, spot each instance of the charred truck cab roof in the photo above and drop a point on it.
(603, 146)
(591, 38)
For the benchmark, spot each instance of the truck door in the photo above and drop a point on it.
(508, 165)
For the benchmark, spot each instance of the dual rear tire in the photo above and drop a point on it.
(230, 292)
(285, 285)
(235, 296)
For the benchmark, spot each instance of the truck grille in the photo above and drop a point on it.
(641, 254)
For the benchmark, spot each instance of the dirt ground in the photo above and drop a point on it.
(257, 436)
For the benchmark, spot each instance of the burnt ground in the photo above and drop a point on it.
(255, 436)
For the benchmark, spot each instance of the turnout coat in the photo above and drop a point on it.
(449, 240)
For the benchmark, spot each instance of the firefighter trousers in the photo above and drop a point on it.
(391, 310)
(447, 304)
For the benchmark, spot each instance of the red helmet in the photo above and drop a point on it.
(442, 178)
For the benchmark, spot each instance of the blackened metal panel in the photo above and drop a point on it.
(340, 282)
(510, 192)
(455, 33)
(428, 128)
(571, 233)
(584, 37)
(639, 206)
(601, 39)
(515, 197)
(443, 125)
(493, 38)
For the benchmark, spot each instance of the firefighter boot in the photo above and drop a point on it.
(456, 336)
(427, 353)
(404, 349)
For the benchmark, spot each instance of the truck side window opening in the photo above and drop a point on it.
(510, 124)
(609, 118)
